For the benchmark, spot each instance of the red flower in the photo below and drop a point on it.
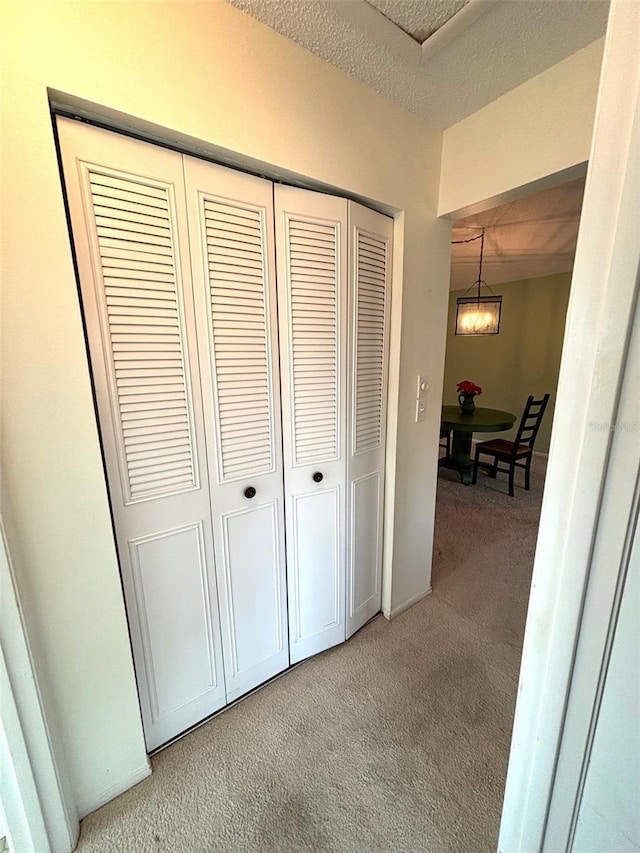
(468, 387)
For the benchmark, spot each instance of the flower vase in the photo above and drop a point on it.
(467, 404)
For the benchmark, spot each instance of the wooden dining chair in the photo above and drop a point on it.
(513, 454)
(445, 442)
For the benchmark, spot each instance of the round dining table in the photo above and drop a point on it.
(463, 425)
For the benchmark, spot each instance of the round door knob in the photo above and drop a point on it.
(318, 477)
(249, 492)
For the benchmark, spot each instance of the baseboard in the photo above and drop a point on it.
(396, 611)
(85, 807)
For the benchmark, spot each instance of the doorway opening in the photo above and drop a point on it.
(485, 539)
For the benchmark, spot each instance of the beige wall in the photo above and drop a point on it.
(209, 73)
(532, 135)
(523, 359)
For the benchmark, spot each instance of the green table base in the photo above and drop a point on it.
(463, 426)
(460, 459)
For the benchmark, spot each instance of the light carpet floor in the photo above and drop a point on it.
(395, 741)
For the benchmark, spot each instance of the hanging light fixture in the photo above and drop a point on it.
(478, 315)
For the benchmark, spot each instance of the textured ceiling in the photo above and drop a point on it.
(528, 238)
(483, 51)
(480, 49)
(418, 18)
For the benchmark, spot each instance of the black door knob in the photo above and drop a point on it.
(318, 477)
(249, 492)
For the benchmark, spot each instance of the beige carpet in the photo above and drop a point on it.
(395, 741)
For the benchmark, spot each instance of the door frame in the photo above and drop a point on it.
(39, 809)
(575, 596)
(65, 105)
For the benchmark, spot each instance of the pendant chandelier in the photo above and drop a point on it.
(478, 315)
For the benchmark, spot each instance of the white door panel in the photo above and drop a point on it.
(175, 623)
(311, 251)
(365, 540)
(315, 576)
(370, 250)
(126, 201)
(255, 599)
(231, 228)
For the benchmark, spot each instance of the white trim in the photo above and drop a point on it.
(454, 27)
(85, 807)
(400, 608)
(393, 408)
(374, 25)
(18, 793)
(541, 796)
(34, 788)
(617, 531)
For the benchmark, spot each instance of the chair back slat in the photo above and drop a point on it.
(530, 422)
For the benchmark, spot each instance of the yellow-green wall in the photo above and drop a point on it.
(523, 359)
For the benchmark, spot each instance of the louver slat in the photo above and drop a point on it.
(371, 260)
(142, 314)
(235, 251)
(313, 263)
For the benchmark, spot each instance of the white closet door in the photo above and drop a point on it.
(231, 227)
(311, 238)
(370, 252)
(129, 224)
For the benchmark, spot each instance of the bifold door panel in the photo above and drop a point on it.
(239, 355)
(231, 227)
(312, 268)
(370, 242)
(129, 221)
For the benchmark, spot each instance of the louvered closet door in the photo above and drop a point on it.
(231, 226)
(128, 216)
(370, 252)
(311, 253)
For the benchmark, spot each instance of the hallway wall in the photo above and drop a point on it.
(538, 133)
(209, 78)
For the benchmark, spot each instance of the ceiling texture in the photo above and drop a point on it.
(440, 59)
(528, 238)
(444, 60)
